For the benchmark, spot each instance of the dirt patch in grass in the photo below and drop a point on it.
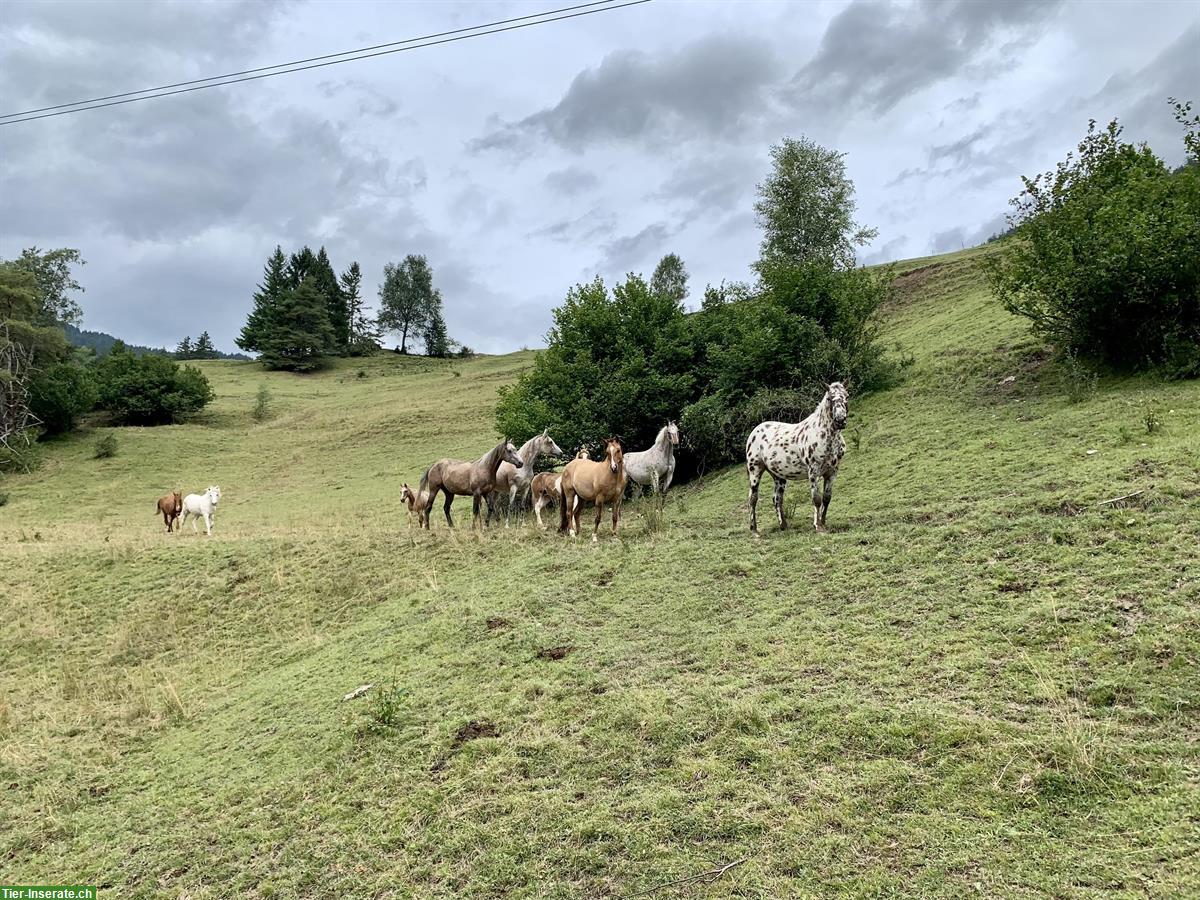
(559, 652)
(605, 579)
(473, 731)
(497, 623)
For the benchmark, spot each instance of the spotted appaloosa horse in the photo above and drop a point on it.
(813, 447)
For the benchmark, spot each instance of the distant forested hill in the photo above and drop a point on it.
(102, 343)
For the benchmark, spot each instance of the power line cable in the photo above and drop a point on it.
(586, 9)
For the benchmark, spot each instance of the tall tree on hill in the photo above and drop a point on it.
(325, 280)
(364, 333)
(406, 297)
(670, 279)
(274, 283)
(204, 348)
(184, 350)
(300, 265)
(806, 208)
(300, 335)
(51, 269)
(437, 341)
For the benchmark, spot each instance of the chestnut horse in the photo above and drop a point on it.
(454, 477)
(171, 507)
(600, 481)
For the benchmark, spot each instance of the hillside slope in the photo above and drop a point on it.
(982, 681)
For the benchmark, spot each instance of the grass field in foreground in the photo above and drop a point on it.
(983, 681)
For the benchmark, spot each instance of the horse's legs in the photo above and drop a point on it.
(828, 496)
(780, 487)
(446, 507)
(537, 510)
(208, 524)
(599, 516)
(476, 505)
(616, 514)
(814, 486)
(512, 498)
(755, 473)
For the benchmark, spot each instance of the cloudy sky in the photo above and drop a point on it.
(525, 162)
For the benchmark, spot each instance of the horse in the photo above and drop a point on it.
(516, 482)
(654, 468)
(201, 506)
(171, 505)
(601, 481)
(454, 477)
(545, 487)
(813, 447)
(414, 503)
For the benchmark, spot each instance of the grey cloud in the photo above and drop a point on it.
(873, 55)
(960, 236)
(713, 185)
(625, 254)
(571, 181)
(709, 88)
(587, 228)
(887, 252)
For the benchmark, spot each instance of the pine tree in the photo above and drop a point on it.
(364, 332)
(184, 350)
(325, 280)
(300, 334)
(275, 282)
(204, 348)
(437, 341)
(300, 265)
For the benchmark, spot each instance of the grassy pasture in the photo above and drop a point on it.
(983, 681)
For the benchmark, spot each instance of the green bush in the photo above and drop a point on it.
(1104, 261)
(262, 404)
(106, 447)
(149, 389)
(59, 395)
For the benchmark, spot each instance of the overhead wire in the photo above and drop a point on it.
(317, 62)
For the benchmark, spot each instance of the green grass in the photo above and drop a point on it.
(981, 682)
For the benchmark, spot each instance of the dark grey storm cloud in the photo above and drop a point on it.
(710, 87)
(875, 54)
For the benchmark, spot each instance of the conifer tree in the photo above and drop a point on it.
(184, 350)
(437, 341)
(300, 266)
(364, 332)
(204, 348)
(300, 334)
(325, 280)
(274, 283)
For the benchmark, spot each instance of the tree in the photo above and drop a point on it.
(204, 348)
(806, 207)
(299, 335)
(437, 341)
(325, 280)
(364, 333)
(300, 265)
(59, 395)
(274, 283)
(670, 279)
(149, 389)
(184, 350)
(406, 297)
(51, 271)
(1104, 262)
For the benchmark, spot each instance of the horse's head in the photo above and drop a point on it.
(407, 495)
(548, 445)
(614, 453)
(673, 433)
(214, 494)
(583, 453)
(839, 404)
(510, 454)
(178, 495)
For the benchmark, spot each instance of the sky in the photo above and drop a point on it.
(526, 162)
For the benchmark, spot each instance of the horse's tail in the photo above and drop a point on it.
(424, 481)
